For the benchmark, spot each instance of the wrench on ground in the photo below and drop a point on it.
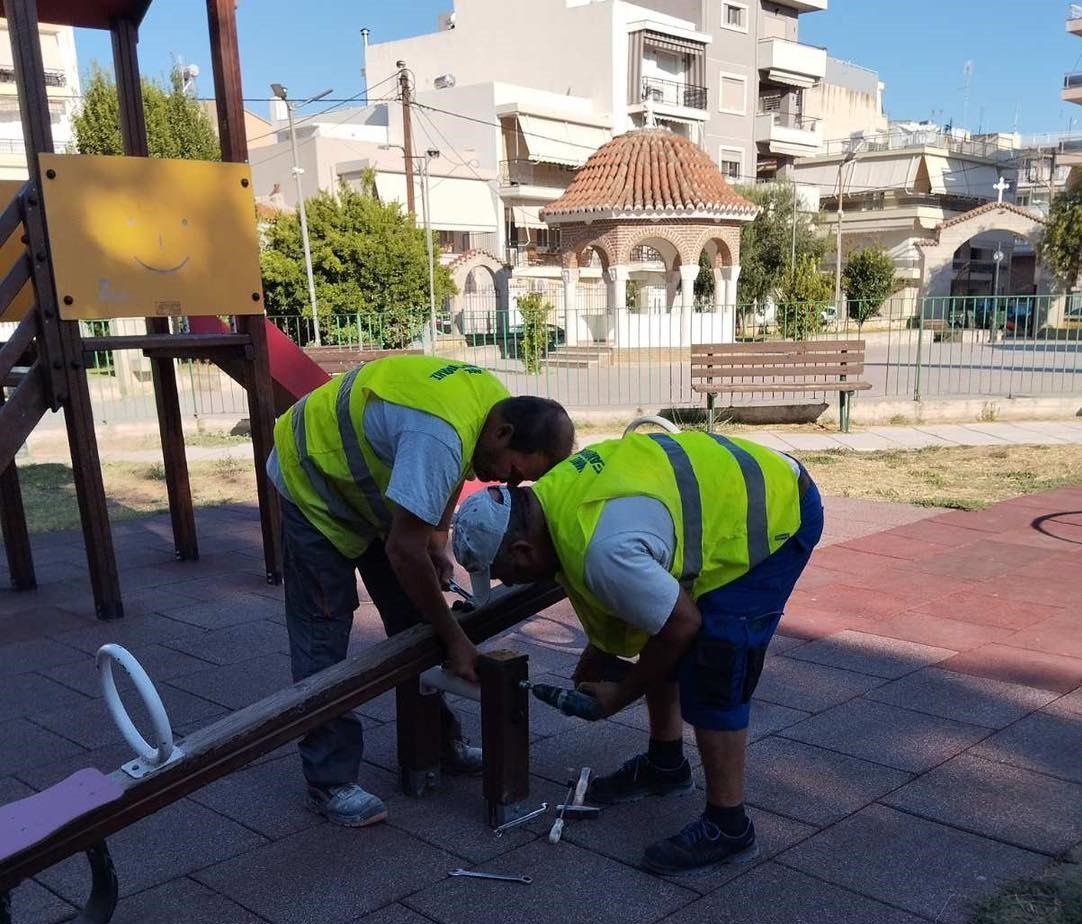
(477, 874)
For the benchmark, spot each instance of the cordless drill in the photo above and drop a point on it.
(569, 702)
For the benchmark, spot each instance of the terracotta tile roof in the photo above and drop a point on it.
(991, 207)
(646, 171)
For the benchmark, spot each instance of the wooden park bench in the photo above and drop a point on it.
(780, 366)
(336, 359)
(942, 332)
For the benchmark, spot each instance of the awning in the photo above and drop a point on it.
(458, 204)
(956, 177)
(861, 176)
(527, 216)
(553, 141)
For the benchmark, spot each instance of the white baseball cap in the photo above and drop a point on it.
(478, 529)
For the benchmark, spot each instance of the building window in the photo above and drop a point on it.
(733, 95)
(734, 16)
(731, 161)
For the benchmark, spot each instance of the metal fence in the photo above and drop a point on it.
(595, 357)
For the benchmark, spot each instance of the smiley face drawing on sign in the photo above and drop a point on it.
(164, 261)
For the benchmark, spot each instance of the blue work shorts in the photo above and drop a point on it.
(719, 673)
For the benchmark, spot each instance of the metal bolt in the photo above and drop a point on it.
(24, 239)
(57, 364)
(244, 182)
(40, 255)
(75, 364)
(68, 300)
(32, 200)
(50, 173)
(256, 296)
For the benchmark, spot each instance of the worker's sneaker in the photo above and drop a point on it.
(459, 757)
(639, 778)
(702, 843)
(348, 805)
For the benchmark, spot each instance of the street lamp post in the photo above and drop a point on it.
(280, 91)
(997, 258)
(430, 155)
(850, 155)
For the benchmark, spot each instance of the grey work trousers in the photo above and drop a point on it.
(321, 597)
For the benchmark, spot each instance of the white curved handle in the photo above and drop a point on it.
(654, 419)
(163, 731)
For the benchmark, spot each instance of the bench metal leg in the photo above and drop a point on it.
(710, 413)
(104, 888)
(843, 410)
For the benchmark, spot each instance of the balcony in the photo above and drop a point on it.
(1074, 19)
(674, 95)
(1072, 87)
(791, 63)
(548, 181)
(1070, 153)
(789, 135)
(804, 6)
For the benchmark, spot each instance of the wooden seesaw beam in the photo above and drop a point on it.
(242, 736)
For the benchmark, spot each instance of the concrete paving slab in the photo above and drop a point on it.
(812, 784)
(181, 900)
(133, 631)
(1048, 742)
(217, 614)
(1020, 807)
(236, 685)
(922, 867)
(975, 700)
(809, 686)
(33, 903)
(1019, 665)
(24, 744)
(961, 435)
(234, 644)
(35, 655)
(886, 735)
(393, 914)
(780, 895)
(865, 653)
(813, 442)
(565, 887)
(173, 842)
(24, 694)
(328, 874)
(159, 662)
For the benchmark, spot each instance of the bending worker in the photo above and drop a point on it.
(682, 550)
(369, 467)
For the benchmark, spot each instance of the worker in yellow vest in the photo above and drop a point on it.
(681, 550)
(369, 468)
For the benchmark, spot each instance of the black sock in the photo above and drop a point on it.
(730, 818)
(666, 755)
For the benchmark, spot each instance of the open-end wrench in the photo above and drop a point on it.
(477, 874)
(521, 820)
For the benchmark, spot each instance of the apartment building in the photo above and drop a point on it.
(1070, 150)
(62, 84)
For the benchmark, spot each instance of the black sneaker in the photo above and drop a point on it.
(639, 778)
(701, 844)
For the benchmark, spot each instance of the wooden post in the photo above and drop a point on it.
(225, 60)
(170, 422)
(13, 526)
(60, 344)
(505, 733)
(418, 726)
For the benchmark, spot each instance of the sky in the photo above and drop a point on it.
(1018, 52)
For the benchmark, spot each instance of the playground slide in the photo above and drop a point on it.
(293, 373)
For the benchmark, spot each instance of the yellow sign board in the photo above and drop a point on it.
(12, 249)
(145, 237)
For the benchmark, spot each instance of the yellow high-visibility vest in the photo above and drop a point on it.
(328, 466)
(733, 503)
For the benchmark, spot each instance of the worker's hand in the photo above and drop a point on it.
(596, 665)
(611, 696)
(462, 659)
(445, 568)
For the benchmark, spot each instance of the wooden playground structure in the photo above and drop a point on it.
(74, 236)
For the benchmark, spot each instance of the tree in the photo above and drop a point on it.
(869, 281)
(704, 283)
(766, 244)
(370, 266)
(1061, 247)
(802, 299)
(177, 126)
(535, 312)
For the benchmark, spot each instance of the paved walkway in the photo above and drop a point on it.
(916, 740)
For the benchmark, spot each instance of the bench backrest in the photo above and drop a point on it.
(829, 359)
(335, 359)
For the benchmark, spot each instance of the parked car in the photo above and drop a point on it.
(510, 343)
(828, 315)
(1022, 318)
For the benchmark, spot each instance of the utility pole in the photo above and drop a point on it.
(407, 135)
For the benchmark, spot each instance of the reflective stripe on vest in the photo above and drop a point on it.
(358, 467)
(338, 508)
(690, 506)
(755, 484)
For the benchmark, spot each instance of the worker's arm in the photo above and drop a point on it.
(408, 550)
(656, 661)
(437, 544)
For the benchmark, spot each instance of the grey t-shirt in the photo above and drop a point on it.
(423, 452)
(629, 559)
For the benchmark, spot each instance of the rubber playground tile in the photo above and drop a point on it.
(133, 631)
(810, 622)
(328, 873)
(856, 601)
(853, 555)
(565, 887)
(987, 561)
(866, 653)
(927, 629)
(237, 685)
(962, 697)
(781, 895)
(36, 621)
(1061, 634)
(1020, 807)
(809, 686)
(32, 903)
(234, 644)
(25, 694)
(939, 532)
(1048, 741)
(891, 545)
(986, 607)
(181, 900)
(812, 784)
(393, 914)
(35, 655)
(1019, 665)
(159, 662)
(24, 744)
(225, 610)
(898, 738)
(174, 841)
(926, 868)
